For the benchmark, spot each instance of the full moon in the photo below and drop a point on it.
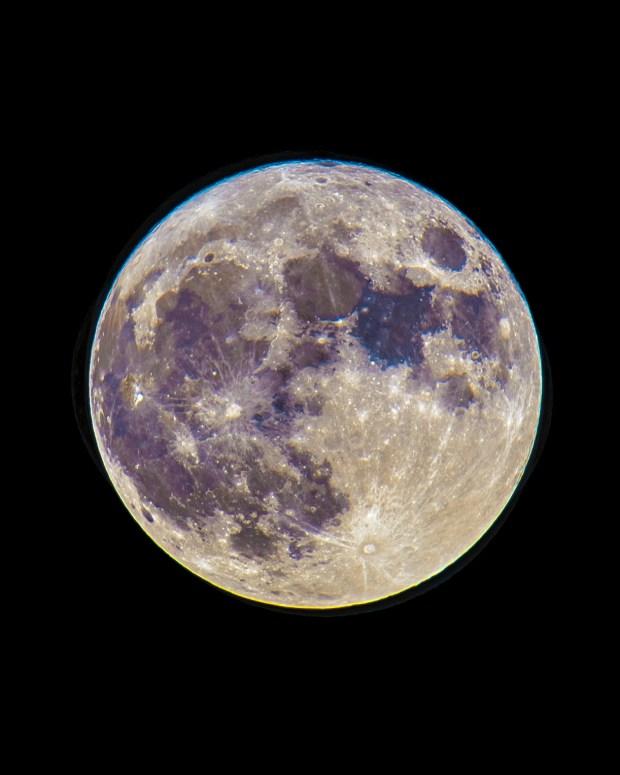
(315, 384)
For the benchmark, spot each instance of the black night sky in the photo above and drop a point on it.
(117, 585)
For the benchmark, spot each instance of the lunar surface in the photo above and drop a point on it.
(315, 384)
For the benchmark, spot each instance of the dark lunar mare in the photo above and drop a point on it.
(197, 350)
(475, 320)
(325, 286)
(444, 247)
(390, 325)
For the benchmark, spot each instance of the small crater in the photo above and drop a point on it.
(147, 515)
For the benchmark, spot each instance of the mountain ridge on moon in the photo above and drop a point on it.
(315, 386)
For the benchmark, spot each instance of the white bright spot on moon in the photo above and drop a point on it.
(504, 328)
(233, 411)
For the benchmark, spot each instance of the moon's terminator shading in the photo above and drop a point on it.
(287, 376)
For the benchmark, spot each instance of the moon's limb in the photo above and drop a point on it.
(315, 386)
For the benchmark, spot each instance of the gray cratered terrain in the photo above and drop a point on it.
(315, 384)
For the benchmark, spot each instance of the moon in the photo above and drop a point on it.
(315, 384)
